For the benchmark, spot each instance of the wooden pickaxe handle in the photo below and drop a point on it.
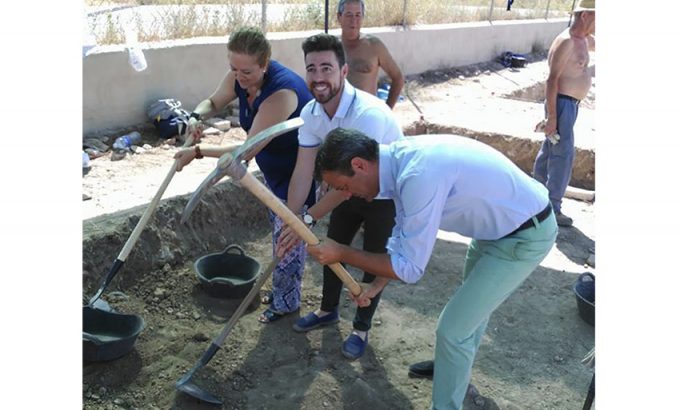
(272, 202)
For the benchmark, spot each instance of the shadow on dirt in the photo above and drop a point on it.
(574, 244)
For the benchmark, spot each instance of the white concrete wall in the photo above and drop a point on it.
(114, 95)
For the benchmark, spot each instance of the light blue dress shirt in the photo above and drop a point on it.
(455, 184)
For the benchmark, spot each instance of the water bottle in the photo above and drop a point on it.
(383, 92)
(86, 160)
(136, 58)
(135, 54)
(123, 143)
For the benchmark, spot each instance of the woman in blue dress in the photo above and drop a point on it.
(268, 93)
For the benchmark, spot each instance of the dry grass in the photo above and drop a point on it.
(187, 18)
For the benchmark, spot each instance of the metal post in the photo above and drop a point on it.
(263, 22)
(491, 11)
(325, 23)
(547, 10)
(403, 19)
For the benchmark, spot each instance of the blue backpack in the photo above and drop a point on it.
(168, 117)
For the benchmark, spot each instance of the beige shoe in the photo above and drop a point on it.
(563, 220)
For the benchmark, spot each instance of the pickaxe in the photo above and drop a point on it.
(231, 164)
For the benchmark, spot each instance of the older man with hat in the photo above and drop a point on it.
(568, 82)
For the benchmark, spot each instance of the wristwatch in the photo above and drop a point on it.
(308, 220)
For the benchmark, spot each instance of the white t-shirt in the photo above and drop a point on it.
(357, 110)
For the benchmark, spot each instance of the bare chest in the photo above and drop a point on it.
(361, 60)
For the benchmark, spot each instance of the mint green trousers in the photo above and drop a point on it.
(493, 270)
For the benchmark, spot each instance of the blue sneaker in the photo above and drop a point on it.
(353, 347)
(312, 321)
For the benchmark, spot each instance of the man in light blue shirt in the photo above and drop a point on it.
(458, 185)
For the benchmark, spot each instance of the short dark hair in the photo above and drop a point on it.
(341, 6)
(341, 145)
(324, 42)
(251, 41)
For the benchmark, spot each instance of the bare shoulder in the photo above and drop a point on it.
(372, 41)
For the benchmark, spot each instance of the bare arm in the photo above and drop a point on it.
(301, 180)
(392, 70)
(276, 108)
(558, 62)
(273, 110)
(223, 95)
(326, 204)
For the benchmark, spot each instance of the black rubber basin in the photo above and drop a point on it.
(228, 274)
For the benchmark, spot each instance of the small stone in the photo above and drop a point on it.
(102, 390)
(325, 404)
(167, 268)
(94, 396)
(196, 315)
(118, 402)
(211, 131)
(160, 292)
(219, 123)
(461, 77)
(200, 337)
(118, 155)
(558, 359)
(377, 322)
(479, 401)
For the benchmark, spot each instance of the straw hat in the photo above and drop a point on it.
(585, 5)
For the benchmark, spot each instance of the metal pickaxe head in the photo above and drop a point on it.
(231, 164)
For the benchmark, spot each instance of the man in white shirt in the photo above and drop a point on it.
(458, 185)
(338, 104)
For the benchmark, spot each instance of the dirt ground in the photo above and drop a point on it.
(528, 359)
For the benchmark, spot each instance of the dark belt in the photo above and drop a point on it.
(541, 216)
(568, 97)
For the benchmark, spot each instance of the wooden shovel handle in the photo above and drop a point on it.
(141, 224)
(272, 202)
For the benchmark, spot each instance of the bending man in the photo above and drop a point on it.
(458, 185)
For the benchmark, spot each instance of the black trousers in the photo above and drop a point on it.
(346, 219)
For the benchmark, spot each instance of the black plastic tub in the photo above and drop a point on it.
(228, 274)
(584, 289)
(108, 335)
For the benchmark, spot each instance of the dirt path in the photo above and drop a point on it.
(528, 359)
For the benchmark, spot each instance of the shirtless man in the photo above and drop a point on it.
(366, 54)
(568, 83)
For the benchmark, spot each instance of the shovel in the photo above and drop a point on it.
(132, 240)
(185, 385)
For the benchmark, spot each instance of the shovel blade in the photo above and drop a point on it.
(194, 391)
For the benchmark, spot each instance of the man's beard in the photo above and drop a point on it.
(332, 92)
